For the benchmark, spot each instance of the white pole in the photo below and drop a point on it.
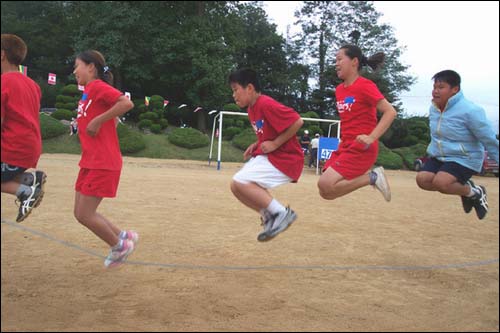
(220, 141)
(317, 160)
(212, 140)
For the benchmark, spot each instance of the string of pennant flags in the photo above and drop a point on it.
(52, 80)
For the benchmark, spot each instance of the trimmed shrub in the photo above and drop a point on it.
(61, 114)
(155, 128)
(244, 139)
(188, 138)
(51, 127)
(71, 90)
(230, 132)
(310, 114)
(410, 154)
(231, 107)
(130, 141)
(145, 123)
(388, 159)
(149, 115)
(163, 123)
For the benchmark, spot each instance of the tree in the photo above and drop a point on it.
(327, 25)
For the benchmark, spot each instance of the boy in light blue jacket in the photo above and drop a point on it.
(460, 132)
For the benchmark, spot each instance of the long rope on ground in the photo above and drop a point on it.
(262, 268)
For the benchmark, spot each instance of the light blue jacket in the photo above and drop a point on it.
(461, 133)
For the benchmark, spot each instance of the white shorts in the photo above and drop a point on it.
(260, 171)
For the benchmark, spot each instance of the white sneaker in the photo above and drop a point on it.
(280, 223)
(382, 184)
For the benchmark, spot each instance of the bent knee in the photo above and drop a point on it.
(326, 190)
(424, 182)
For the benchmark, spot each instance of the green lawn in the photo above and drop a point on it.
(157, 146)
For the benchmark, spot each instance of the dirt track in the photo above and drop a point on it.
(355, 264)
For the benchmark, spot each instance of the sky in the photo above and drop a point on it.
(438, 35)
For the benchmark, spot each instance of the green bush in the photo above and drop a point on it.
(230, 132)
(310, 114)
(155, 128)
(388, 159)
(410, 154)
(188, 138)
(51, 127)
(61, 114)
(231, 107)
(130, 141)
(149, 115)
(145, 123)
(156, 102)
(163, 123)
(244, 139)
(313, 129)
(66, 99)
(71, 90)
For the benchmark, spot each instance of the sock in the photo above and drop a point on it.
(275, 207)
(23, 190)
(373, 177)
(473, 192)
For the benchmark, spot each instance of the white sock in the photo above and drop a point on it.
(275, 207)
(472, 192)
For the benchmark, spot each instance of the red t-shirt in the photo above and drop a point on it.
(21, 136)
(103, 150)
(357, 107)
(269, 119)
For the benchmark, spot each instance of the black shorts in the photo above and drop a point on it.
(9, 172)
(461, 173)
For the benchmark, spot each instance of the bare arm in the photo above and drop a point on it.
(270, 146)
(388, 115)
(121, 106)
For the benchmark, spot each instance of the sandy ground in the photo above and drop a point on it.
(358, 263)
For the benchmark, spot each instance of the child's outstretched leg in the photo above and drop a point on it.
(333, 185)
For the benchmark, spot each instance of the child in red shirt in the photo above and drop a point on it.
(358, 100)
(101, 162)
(276, 157)
(20, 123)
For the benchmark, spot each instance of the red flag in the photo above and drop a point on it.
(52, 79)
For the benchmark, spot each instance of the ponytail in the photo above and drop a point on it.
(96, 58)
(375, 61)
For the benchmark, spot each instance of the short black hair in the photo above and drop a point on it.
(244, 77)
(448, 76)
